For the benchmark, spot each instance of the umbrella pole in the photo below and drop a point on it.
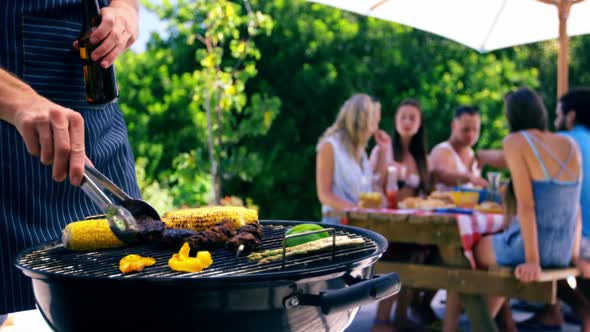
(563, 7)
(563, 12)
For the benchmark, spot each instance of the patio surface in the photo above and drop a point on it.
(32, 321)
(364, 319)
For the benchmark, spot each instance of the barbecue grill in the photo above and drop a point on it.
(318, 292)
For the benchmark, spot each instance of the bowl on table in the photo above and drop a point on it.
(465, 199)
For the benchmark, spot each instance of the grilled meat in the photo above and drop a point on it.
(250, 236)
(255, 229)
(175, 237)
(151, 230)
(210, 239)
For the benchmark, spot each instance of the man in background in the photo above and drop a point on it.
(454, 162)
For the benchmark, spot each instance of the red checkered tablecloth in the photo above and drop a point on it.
(471, 226)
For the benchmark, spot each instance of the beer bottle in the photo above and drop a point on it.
(101, 83)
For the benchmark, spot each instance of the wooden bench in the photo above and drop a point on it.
(452, 270)
(493, 282)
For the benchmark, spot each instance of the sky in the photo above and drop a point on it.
(148, 23)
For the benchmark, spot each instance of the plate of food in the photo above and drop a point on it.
(489, 207)
(417, 203)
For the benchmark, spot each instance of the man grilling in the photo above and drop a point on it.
(47, 129)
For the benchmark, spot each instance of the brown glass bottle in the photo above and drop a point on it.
(101, 83)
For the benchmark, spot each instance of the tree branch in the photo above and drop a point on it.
(205, 41)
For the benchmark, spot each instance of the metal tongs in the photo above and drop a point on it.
(123, 218)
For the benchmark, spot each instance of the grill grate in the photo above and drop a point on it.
(105, 264)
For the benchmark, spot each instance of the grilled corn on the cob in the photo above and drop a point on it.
(88, 235)
(199, 219)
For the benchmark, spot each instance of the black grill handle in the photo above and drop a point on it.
(364, 292)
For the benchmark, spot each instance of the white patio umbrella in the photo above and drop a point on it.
(486, 25)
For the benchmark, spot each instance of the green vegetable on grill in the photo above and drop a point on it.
(321, 245)
(304, 238)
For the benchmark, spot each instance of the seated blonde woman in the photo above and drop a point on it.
(543, 199)
(343, 170)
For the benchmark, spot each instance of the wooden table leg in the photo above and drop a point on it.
(479, 315)
(475, 305)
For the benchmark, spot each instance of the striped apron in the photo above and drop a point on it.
(36, 45)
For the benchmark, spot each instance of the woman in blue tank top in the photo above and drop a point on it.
(47, 129)
(542, 201)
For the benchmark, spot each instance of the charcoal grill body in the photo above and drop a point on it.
(320, 296)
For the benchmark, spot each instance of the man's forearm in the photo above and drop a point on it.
(494, 158)
(13, 93)
(450, 178)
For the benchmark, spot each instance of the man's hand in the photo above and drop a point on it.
(53, 133)
(478, 181)
(117, 31)
(528, 272)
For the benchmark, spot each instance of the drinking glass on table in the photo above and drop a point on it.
(370, 196)
(494, 180)
(370, 200)
(493, 192)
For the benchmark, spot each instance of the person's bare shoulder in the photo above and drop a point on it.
(440, 152)
(514, 140)
(325, 148)
(441, 158)
(562, 139)
(567, 143)
(515, 144)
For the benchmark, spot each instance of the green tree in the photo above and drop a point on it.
(186, 104)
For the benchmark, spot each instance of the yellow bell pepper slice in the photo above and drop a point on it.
(184, 263)
(205, 258)
(135, 263)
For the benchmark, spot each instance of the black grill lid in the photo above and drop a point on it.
(51, 259)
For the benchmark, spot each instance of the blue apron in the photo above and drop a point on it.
(36, 45)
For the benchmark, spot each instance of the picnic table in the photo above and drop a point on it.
(454, 235)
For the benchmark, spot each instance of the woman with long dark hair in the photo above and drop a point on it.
(407, 149)
(542, 202)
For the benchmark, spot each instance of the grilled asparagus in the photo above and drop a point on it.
(342, 241)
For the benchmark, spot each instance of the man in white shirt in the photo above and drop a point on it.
(454, 162)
